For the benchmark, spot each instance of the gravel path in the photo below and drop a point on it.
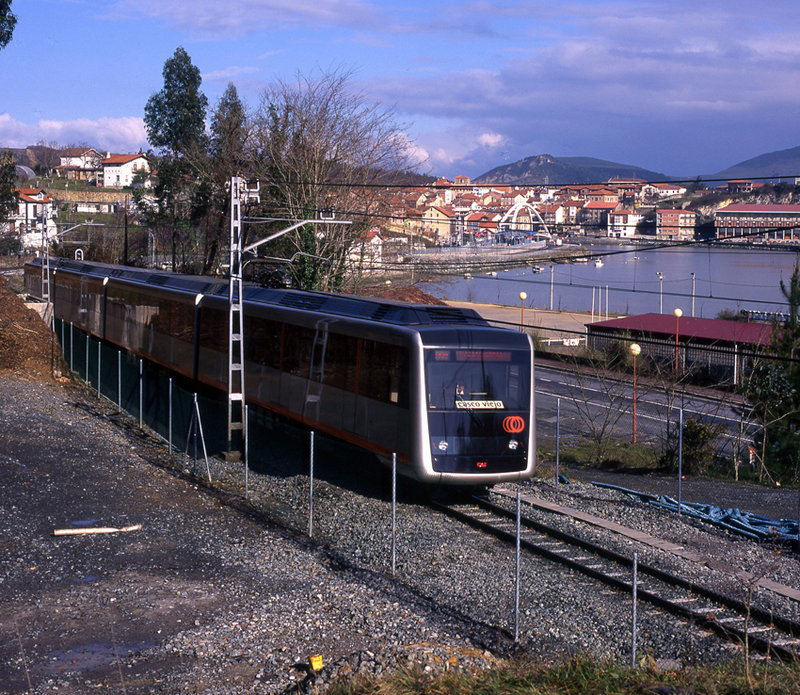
(215, 596)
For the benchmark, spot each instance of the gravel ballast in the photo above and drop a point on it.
(216, 594)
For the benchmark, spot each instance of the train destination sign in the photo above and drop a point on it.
(480, 405)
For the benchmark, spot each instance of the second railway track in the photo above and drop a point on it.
(730, 618)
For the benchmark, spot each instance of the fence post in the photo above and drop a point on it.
(169, 417)
(516, 572)
(635, 585)
(141, 388)
(558, 436)
(71, 347)
(680, 455)
(99, 358)
(86, 356)
(311, 487)
(797, 545)
(246, 453)
(119, 379)
(394, 512)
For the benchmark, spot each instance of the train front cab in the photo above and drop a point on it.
(479, 407)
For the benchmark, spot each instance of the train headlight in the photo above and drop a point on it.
(513, 445)
(442, 446)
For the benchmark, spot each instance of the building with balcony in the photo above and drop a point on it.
(758, 223)
(623, 223)
(675, 225)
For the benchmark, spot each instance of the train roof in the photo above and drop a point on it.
(370, 309)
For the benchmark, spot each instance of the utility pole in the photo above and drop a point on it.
(46, 263)
(242, 191)
(125, 251)
(236, 421)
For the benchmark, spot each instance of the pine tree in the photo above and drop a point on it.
(773, 391)
(8, 201)
(174, 118)
(8, 21)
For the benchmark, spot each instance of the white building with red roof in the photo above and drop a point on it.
(119, 170)
(622, 224)
(79, 163)
(33, 207)
(663, 190)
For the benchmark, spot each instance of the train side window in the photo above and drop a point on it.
(213, 329)
(384, 373)
(263, 341)
(339, 362)
(513, 383)
(297, 350)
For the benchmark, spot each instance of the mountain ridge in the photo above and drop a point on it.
(544, 169)
(778, 163)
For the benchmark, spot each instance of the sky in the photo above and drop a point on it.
(683, 88)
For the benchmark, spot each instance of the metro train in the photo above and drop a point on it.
(439, 387)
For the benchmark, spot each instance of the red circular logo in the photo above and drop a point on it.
(514, 424)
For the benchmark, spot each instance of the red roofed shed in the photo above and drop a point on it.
(719, 348)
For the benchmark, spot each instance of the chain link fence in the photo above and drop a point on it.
(591, 412)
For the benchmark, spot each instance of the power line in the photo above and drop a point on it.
(515, 184)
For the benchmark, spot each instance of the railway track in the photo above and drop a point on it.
(728, 617)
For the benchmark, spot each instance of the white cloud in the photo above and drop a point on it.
(417, 157)
(457, 151)
(214, 18)
(491, 139)
(119, 135)
(227, 74)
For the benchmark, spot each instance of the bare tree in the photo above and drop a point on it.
(320, 145)
(602, 399)
(47, 156)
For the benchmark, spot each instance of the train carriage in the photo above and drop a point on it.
(449, 394)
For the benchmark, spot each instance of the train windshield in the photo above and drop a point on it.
(477, 380)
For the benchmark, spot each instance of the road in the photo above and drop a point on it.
(604, 404)
(592, 404)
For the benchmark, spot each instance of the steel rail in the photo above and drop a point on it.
(706, 617)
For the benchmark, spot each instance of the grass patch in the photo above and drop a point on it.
(621, 456)
(583, 677)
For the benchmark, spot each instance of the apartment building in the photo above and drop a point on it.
(753, 222)
(675, 225)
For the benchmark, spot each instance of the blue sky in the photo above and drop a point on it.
(683, 88)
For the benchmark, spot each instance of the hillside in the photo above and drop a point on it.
(779, 163)
(545, 168)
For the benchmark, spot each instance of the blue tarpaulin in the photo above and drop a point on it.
(746, 524)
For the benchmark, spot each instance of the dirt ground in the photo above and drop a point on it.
(27, 348)
(73, 603)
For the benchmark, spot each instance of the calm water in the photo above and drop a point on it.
(628, 282)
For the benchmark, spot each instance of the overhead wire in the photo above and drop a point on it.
(518, 184)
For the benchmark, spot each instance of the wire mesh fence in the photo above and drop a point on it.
(590, 412)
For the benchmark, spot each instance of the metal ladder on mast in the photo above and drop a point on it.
(48, 311)
(236, 412)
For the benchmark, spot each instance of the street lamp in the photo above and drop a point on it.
(693, 294)
(677, 313)
(660, 291)
(522, 297)
(635, 349)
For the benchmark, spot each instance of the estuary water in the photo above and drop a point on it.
(635, 280)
